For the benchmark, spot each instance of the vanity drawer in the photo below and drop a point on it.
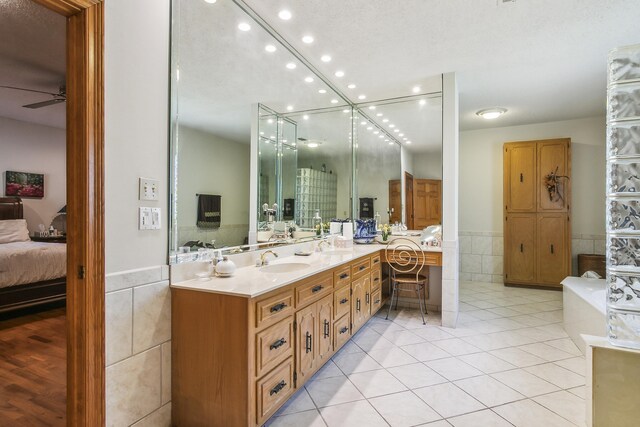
(342, 277)
(376, 262)
(341, 331)
(273, 389)
(376, 300)
(273, 345)
(272, 309)
(313, 289)
(360, 268)
(376, 279)
(341, 302)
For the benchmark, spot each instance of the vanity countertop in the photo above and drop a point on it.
(251, 281)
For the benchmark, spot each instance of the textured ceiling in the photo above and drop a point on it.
(32, 55)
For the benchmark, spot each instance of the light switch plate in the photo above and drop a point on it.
(155, 219)
(144, 219)
(149, 189)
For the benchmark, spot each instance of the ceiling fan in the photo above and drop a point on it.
(59, 97)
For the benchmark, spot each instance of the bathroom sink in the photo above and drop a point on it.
(337, 252)
(285, 267)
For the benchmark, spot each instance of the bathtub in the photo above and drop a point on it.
(585, 307)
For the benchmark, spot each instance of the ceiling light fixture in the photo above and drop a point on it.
(210, 1)
(243, 26)
(380, 136)
(376, 132)
(351, 86)
(364, 122)
(284, 14)
(392, 125)
(307, 39)
(270, 48)
(402, 134)
(372, 107)
(362, 97)
(396, 130)
(345, 111)
(369, 128)
(312, 145)
(385, 120)
(379, 114)
(416, 89)
(289, 107)
(422, 102)
(391, 143)
(491, 113)
(334, 101)
(325, 58)
(339, 73)
(408, 142)
(291, 66)
(322, 91)
(308, 79)
(305, 117)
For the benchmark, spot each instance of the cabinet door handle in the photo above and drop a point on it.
(521, 247)
(367, 298)
(344, 275)
(282, 384)
(278, 344)
(308, 343)
(521, 178)
(343, 330)
(358, 304)
(276, 308)
(377, 301)
(344, 301)
(551, 248)
(326, 328)
(376, 279)
(316, 289)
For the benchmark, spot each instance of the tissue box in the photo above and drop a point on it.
(342, 242)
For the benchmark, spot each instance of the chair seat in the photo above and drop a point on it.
(410, 278)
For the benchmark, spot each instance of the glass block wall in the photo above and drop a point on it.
(623, 197)
(315, 190)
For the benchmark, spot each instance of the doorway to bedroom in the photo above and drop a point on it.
(33, 205)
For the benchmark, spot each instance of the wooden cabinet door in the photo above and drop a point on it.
(306, 342)
(358, 303)
(520, 248)
(553, 157)
(520, 177)
(427, 202)
(325, 328)
(367, 297)
(395, 200)
(553, 248)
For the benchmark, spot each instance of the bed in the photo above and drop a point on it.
(31, 273)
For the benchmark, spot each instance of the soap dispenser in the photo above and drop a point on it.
(317, 223)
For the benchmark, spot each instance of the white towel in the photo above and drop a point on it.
(347, 230)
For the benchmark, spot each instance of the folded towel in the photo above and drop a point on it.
(208, 211)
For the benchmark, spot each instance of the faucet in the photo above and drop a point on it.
(325, 242)
(264, 254)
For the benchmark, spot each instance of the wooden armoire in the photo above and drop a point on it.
(537, 215)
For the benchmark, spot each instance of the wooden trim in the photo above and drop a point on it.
(67, 8)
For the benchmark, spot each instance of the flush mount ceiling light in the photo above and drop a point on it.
(284, 14)
(291, 66)
(270, 48)
(491, 113)
(308, 79)
(325, 58)
(351, 86)
(243, 26)
(339, 73)
(307, 39)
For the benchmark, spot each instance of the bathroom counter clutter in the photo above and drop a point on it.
(252, 281)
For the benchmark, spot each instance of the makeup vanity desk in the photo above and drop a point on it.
(241, 346)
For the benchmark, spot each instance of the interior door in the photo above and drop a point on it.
(520, 177)
(553, 157)
(325, 328)
(553, 259)
(520, 248)
(395, 201)
(306, 342)
(408, 194)
(357, 304)
(427, 202)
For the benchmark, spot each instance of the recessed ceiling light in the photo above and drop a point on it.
(312, 145)
(408, 142)
(416, 89)
(334, 101)
(380, 136)
(404, 139)
(270, 121)
(307, 39)
(392, 125)
(402, 134)
(385, 120)
(351, 86)
(422, 102)
(284, 14)
(291, 65)
(325, 58)
(364, 122)
(390, 142)
(284, 140)
(272, 137)
(345, 111)
(289, 107)
(305, 117)
(308, 79)
(339, 73)
(376, 132)
(379, 114)
(396, 130)
(322, 91)
(491, 113)
(270, 48)
(369, 128)
(362, 96)
(243, 26)
(261, 133)
(210, 1)
(372, 107)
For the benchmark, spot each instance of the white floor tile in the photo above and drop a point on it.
(456, 346)
(486, 418)
(376, 383)
(576, 364)
(402, 337)
(333, 391)
(390, 357)
(565, 404)
(431, 333)
(425, 351)
(417, 375)
(579, 391)
(525, 383)
(354, 414)
(489, 391)
(404, 409)
(306, 419)
(527, 413)
(355, 362)
(486, 362)
(448, 400)
(557, 375)
(299, 402)
(329, 370)
(441, 423)
(545, 351)
(517, 357)
(370, 343)
(453, 369)
(566, 345)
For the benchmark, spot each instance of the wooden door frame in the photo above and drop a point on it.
(409, 215)
(85, 210)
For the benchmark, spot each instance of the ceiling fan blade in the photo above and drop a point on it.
(28, 90)
(45, 103)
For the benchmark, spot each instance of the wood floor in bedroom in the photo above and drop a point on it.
(33, 370)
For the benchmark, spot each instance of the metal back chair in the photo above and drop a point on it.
(407, 262)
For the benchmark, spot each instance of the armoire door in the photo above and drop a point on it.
(395, 200)
(325, 328)
(553, 157)
(306, 342)
(520, 248)
(553, 248)
(520, 177)
(427, 202)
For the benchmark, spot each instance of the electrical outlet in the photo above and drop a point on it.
(144, 219)
(149, 189)
(155, 218)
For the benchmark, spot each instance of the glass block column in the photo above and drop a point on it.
(623, 197)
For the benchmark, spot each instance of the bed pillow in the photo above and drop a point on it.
(14, 230)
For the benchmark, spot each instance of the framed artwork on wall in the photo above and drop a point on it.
(24, 184)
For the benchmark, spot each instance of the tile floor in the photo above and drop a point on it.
(508, 363)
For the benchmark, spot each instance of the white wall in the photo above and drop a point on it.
(29, 147)
(427, 165)
(481, 172)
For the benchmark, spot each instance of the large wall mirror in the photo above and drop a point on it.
(261, 143)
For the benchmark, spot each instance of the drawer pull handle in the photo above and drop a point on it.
(343, 330)
(326, 328)
(377, 301)
(344, 301)
(377, 260)
(276, 308)
(344, 275)
(551, 248)
(376, 279)
(308, 343)
(282, 384)
(362, 267)
(316, 289)
(367, 298)
(521, 247)
(521, 178)
(358, 304)
(278, 344)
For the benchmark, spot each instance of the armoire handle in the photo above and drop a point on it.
(521, 247)
(521, 178)
(551, 248)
